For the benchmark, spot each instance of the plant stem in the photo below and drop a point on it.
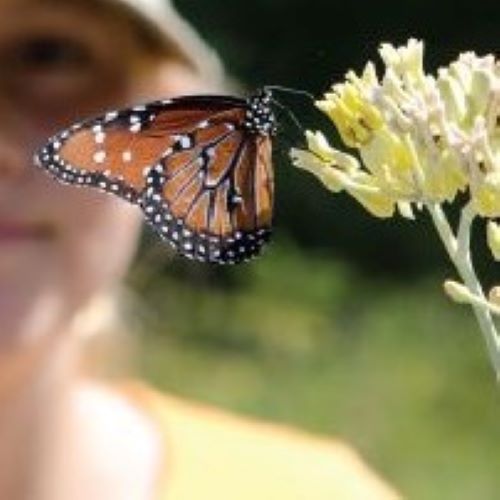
(458, 248)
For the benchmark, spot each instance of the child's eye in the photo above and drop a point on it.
(45, 53)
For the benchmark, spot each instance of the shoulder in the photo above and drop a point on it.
(215, 454)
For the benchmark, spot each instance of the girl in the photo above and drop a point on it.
(62, 435)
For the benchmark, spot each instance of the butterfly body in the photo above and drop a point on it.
(199, 167)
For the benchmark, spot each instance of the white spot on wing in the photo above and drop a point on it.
(136, 127)
(99, 156)
(112, 115)
(99, 137)
(185, 142)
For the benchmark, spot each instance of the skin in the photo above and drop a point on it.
(60, 247)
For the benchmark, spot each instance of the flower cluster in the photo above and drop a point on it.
(420, 138)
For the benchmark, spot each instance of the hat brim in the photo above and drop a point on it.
(174, 35)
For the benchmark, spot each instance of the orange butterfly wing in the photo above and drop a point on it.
(200, 168)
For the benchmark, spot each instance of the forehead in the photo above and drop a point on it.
(51, 4)
(83, 13)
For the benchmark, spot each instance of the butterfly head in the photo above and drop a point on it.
(260, 118)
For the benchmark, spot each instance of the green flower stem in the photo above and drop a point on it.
(458, 248)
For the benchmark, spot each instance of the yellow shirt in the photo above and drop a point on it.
(214, 455)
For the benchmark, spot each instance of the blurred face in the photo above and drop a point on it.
(61, 61)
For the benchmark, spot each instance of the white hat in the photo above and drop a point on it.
(173, 33)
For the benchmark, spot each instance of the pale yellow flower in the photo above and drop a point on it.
(419, 138)
(325, 162)
(355, 118)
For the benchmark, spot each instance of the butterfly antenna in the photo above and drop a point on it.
(291, 115)
(294, 120)
(280, 88)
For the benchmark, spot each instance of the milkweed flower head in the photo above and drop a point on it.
(418, 137)
(416, 141)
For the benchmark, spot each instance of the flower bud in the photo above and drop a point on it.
(493, 238)
(458, 292)
(494, 295)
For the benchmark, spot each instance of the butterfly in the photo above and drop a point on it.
(199, 167)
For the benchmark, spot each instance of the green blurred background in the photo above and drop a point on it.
(341, 327)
